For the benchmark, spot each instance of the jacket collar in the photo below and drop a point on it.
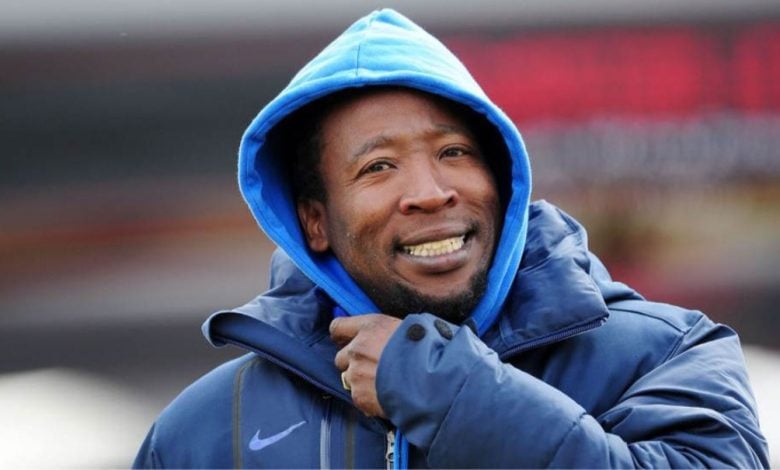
(561, 289)
(555, 294)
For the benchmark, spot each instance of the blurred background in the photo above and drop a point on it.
(657, 124)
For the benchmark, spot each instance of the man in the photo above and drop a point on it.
(423, 314)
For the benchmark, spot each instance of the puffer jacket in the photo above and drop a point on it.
(578, 371)
(556, 366)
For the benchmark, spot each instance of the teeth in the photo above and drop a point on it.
(437, 248)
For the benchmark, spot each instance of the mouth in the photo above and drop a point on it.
(436, 247)
(437, 251)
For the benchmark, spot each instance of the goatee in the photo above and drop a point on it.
(399, 300)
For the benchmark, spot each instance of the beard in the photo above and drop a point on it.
(399, 300)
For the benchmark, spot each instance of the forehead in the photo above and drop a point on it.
(371, 113)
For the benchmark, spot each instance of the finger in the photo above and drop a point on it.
(343, 329)
(342, 359)
(362, 382)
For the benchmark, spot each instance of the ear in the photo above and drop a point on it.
(311, 213)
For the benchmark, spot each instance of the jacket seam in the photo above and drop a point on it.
(560, 443)
(360, 46)
(357, 58)
(573, 229)
(155, 454)
(676, 347)
(237, 385)
(654, 317)
(682, 333)
(157, 459)
(578, 235)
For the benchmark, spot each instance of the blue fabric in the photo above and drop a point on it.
(613, 382)
(568, 368)
(383, 48)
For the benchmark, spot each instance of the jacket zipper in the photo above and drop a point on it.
(325, 433)
(390, 452)
(552, 338)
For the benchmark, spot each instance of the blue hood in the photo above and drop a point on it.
(560, 284)
(383, 48)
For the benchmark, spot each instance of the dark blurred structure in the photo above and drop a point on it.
(121, 226)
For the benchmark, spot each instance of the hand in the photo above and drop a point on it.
(361, 340)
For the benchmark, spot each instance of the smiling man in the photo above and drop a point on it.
(411, 207)
(423, 314)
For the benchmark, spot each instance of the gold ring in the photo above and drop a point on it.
(344, 382)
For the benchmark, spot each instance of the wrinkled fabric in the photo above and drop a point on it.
(381, 49)
(558, 365)
(613, 381)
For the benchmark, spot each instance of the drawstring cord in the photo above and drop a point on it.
(401, 461)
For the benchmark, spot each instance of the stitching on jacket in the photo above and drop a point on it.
(573, 229)
(153, 453)
(349, 438)
(651, 315)
(156, 459)
(675, 346)
(683, 332)
(559, 446)
(678, 343)
(237, 384)
(360, 45)
(357, 58)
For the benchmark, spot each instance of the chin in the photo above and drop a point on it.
(454, 305)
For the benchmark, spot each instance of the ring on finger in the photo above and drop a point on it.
(344, 382)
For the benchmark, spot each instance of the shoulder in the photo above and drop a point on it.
(207, 394)
(208, 424)
(650, 333)
(661, 327)
(684, 365)
(683, 341)
(639, 337)
(193, 429)
(659, 315)
(672, 330)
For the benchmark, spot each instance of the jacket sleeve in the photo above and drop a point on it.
(147, 455)
(457, 402)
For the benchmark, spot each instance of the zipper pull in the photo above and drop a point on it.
(390, 453)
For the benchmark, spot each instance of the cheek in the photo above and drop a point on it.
(482, 195)
(480, 186)
(357, 221)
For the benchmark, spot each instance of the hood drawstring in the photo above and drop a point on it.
(401, 461)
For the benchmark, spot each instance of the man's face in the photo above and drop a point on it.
(412, 207)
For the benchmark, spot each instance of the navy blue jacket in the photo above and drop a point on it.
(558, 366)
(578, 371)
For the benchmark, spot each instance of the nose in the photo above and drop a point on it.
(425, 191)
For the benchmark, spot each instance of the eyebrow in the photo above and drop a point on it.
(371, 144)
(383, 140)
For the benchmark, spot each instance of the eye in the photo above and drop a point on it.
(455, 151)
(375, 167)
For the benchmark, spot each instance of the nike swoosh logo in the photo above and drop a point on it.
(256, 443)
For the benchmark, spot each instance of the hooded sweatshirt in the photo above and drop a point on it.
(559, 366)
(383, 48)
